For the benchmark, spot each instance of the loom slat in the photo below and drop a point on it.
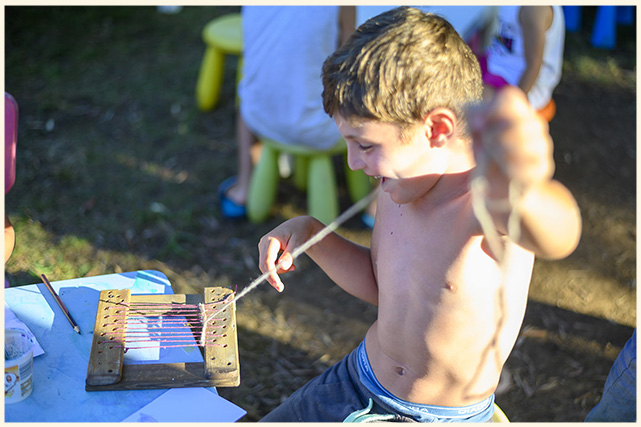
(105, 360)
(219, 361)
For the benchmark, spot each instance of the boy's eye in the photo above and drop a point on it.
(364, 148)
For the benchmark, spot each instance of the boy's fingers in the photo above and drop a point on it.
(269, 248)
(276, 283)
(511, 101)
(499, 129)
(285, 262)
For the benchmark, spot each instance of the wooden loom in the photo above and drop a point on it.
(217, 340)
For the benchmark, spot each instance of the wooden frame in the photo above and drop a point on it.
(106, 370)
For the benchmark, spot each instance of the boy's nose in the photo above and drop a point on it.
(354, 159)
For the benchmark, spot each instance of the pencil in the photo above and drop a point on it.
(60, 303)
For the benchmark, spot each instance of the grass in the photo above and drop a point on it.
(108, 136)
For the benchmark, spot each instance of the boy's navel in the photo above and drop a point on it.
(400, 371)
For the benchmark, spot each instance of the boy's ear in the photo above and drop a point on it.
(440, 126)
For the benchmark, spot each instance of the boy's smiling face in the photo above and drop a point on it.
(377, 149)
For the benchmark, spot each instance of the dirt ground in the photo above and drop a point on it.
(117, 171)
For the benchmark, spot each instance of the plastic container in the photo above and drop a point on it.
(18, 365)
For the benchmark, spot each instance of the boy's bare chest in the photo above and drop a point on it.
(422, 247)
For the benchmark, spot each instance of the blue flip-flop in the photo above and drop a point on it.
(229, 208)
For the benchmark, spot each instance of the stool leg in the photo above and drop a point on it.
(358, 184)
(625, 15)
(604, 29)
(572, 16)
(239, 75)
(263, 186)
(210, 79)
(322, 197)
(301, 172)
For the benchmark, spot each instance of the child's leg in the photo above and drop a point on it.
(330, 397)
(248, 152)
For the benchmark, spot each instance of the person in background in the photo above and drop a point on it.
(10, 142)
(9, 238)
(526, 51)
(280, 89)
(619, 400)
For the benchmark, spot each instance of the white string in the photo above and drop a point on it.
(480, 202)
(353, 210)
(478, 189)
(201, 307)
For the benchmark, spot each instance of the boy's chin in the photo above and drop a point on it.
(399, 200)
(389, 186)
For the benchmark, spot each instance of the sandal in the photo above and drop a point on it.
(229, 208)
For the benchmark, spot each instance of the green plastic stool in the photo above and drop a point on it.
(313, 171)
(222, 36)
(499, 416)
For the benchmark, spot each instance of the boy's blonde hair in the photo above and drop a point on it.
(397, 67)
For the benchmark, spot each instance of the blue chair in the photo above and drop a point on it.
(572, 18)
(604, 28)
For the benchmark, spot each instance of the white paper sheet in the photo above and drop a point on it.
(187, 405)
(154, 351)
(12, 322)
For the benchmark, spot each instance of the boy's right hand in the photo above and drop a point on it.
(275, 248)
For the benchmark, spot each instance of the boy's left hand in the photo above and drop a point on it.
(511, 142)
(512, 145)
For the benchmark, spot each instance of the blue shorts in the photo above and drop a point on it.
(350, 386)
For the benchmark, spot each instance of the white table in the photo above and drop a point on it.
(59, 374)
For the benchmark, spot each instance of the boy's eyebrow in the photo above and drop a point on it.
(359, 137)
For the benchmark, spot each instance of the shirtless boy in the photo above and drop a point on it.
(449, 307)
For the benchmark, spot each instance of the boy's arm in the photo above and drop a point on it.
(534, 20)
(348, 264)
(550, 220)
(518, 142)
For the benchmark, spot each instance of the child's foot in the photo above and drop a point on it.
(229, 208)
